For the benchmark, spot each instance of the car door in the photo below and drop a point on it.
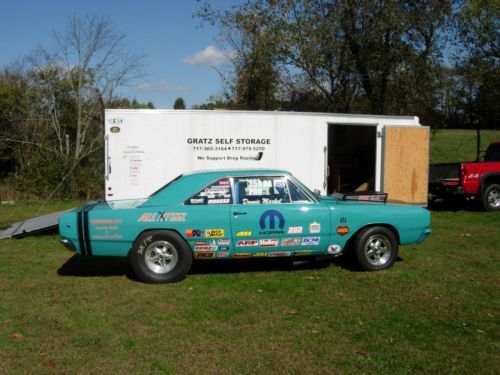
(272, 217)
(208, 213)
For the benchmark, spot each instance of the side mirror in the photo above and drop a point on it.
(317, 192)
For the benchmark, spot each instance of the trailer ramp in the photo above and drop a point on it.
(33, 226)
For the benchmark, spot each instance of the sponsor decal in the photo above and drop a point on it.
(144, 244)
(269, 242)
(218, 201)
(242, 255)
(306, 241)
(224, 182)
(210, 233)
(114, 129)
(294, 230)
(205, 254)
(247, 243)
(334, 249)
(223, 247)
(342, 230)
(205, 248)
(213, 243)
(107, 237)
(193, 232)
(270, 217)
(222, 254)
(105, 221)
(224, 242)
(279, 254)
(302, 252)
(200, 242)
(197, 200)
(115, 120)
(314, 227)
(260, 254)
(290, 242)
(162, 216)
(244, 233)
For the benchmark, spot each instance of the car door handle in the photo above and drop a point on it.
(237, 213)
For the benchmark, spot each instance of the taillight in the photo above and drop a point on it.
(463, 173)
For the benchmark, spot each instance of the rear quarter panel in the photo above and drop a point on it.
(410, 222)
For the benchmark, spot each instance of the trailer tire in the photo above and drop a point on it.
(161, 256)
(375, 248)
(491, 197)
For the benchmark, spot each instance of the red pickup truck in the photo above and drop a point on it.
(476, 180)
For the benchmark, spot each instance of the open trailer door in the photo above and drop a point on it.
(406, 164)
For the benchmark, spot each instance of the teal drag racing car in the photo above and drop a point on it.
(239, 214)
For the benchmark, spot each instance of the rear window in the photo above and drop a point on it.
(493, 152)
(216, 193)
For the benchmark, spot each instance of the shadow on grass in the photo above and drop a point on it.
(81, 266)
(455, 203)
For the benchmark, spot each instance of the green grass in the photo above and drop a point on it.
(459, 145)
(435, 311)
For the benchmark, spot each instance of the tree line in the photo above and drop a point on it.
(438, 60)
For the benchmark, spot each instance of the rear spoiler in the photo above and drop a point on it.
(364, 196)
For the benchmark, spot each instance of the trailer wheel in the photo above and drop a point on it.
(375, 248)
(491, 198)
(161, 257)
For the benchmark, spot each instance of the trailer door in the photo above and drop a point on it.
(406, 164)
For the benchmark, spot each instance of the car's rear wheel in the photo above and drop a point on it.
(376, 248)
(491, 198)
(161, 257)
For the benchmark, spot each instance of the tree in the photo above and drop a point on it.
(179, 104)
(68, 88)
(478, 62)
(355, 55)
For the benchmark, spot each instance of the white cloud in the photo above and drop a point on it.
(160, 86)
(209, 56)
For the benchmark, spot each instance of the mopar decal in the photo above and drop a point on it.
(273, 215)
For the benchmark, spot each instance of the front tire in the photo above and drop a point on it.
(161, 257)
(375, 248)
(491, 198)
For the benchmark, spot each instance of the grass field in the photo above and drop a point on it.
(459, 145)
(435, 311)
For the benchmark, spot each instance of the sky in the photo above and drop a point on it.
(181, 53)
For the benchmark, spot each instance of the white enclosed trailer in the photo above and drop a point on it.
(144, 149)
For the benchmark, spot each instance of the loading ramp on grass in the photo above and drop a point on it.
(36, 225)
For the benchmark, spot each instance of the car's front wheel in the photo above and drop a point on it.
(161, 257)
(376, 248)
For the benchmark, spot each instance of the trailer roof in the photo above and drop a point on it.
(413, 119)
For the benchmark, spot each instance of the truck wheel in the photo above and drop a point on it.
(161, 257)
(375, 248)
(491, 198)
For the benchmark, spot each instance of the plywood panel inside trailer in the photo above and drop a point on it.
(406, 164)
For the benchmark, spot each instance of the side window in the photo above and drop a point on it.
(297, 194)
(261, 190)
(217, 193)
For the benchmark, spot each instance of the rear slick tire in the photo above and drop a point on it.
(161, 256)
(375, 248)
